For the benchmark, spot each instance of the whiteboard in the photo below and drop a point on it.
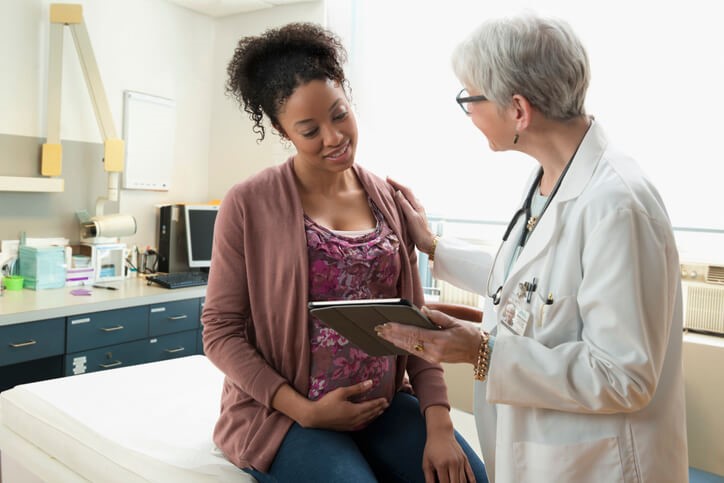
(149, 127)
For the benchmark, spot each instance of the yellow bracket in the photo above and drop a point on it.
(66, 13)
(113, 155)
(51, 160)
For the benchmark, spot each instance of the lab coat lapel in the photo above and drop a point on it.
(541, 237)
(579, 174)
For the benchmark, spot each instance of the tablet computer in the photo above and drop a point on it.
(356, 320)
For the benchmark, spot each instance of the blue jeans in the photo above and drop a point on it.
(388, 450)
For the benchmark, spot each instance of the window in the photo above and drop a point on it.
(657, 73)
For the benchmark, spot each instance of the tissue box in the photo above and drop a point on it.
(42, 267)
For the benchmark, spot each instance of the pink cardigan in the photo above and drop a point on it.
(256, 323)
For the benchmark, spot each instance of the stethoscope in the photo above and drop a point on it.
(531, 223)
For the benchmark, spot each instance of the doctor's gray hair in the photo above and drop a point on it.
(539, 58)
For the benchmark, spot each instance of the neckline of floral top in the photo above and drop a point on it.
(357, 238)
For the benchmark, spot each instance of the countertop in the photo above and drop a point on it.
(31, 305)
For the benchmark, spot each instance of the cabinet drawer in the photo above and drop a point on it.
(172, 345)
(102, 329)
(33, 340)
(173, 317)
(104, 358)
(200, 341)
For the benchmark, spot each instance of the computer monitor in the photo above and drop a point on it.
(199, 221)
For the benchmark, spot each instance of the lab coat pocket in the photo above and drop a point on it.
(584, 462)
(557, 322)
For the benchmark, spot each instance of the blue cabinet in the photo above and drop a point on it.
(173, 317)
(135, 335)
(170, 346)
(106, 328)
(109, 357)
(199, 337)
(199, 341)
(35, 340)
(98, 341)
(31, 352)
(30, 371)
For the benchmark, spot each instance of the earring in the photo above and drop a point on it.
(515, 138)
(285, 142)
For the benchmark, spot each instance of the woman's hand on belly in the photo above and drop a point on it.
(336, 411)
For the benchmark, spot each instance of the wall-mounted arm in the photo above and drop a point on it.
(52, 155)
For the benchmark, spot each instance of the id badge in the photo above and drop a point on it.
(515, 317)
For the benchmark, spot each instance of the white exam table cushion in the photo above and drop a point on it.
(150, 422)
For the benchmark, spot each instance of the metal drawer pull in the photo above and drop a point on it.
(172, 351)
(112, 329)
(178, 317)
(112, 364)
(24, 344)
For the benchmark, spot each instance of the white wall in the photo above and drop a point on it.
(143, 45)
(149, 46)
(234, 153)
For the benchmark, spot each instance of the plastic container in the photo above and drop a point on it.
(81, 261)
(13, 282)
(42, 267)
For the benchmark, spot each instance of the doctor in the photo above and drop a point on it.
(582, 360)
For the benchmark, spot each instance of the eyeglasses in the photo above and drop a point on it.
(463, 100)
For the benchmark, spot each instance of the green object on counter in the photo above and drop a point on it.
(13, 282)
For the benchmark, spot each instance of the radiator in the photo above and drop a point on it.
(703, 293)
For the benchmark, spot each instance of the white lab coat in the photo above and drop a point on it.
(593, 390)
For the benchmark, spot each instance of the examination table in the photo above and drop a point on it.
(144, 423)
(150, 422)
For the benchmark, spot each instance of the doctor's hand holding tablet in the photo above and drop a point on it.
(579, 378)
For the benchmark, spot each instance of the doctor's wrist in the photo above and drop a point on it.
(482, 363)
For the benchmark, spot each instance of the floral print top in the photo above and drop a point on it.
(342, 267)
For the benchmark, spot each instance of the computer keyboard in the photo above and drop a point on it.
(179, 279)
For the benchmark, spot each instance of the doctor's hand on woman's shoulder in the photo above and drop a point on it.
(415, 217)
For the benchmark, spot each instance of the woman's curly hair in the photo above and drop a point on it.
(266, 69)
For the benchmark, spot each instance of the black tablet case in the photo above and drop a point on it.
(356, 320)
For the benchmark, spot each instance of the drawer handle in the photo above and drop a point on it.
(24, 344)
(112, 329)
(178, 317)
(112, 364)
(173, 351)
